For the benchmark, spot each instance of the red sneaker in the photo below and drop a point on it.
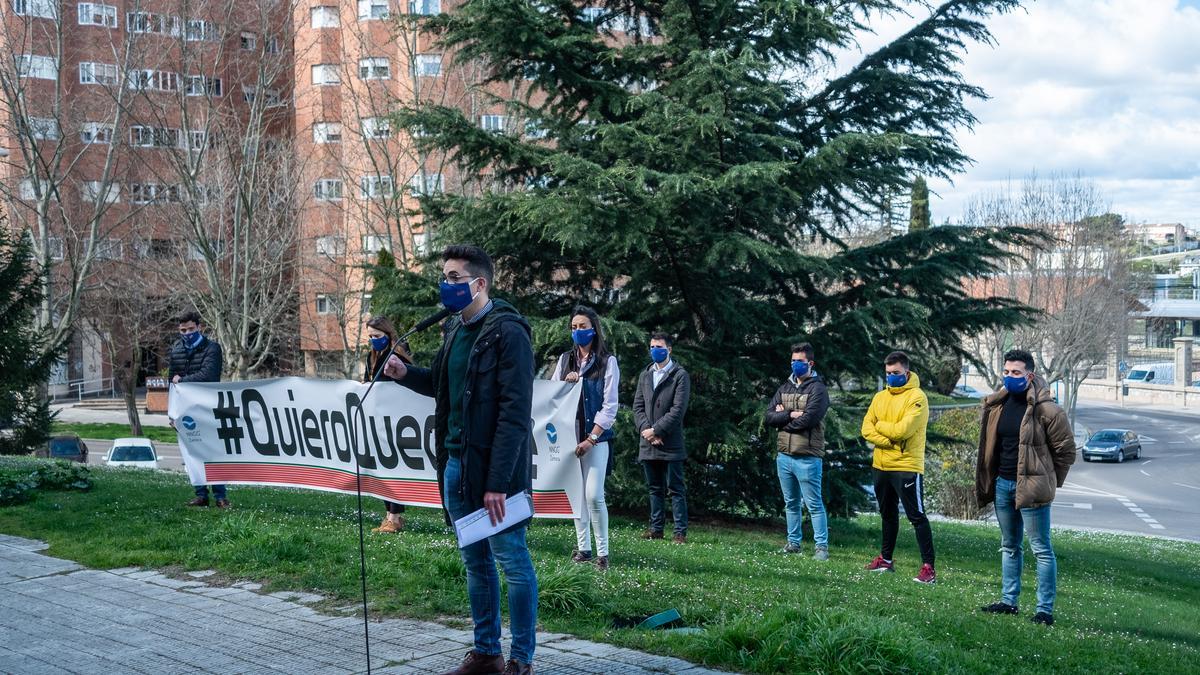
(927, 575)
(880, 565)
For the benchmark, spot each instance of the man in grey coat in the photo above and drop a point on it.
(659, 405)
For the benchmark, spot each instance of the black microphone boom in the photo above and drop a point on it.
(426, 323)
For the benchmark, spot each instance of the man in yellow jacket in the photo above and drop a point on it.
(895, 425)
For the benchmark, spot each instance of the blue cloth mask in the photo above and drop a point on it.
(583, 336)
(380, 343)
(800, 368)
(659, 354)
(1016, 385)
(894, 381)
(191, 340)
(456, 297)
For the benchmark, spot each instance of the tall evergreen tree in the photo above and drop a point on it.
(696, 162)
(918, 210)
(25, 356)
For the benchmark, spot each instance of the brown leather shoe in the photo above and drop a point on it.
(602, 563)
(651, 534)
(582, 557)
(199, 501)
(222, 503)
(679, 539)
(386, 526)
(476, 663)
(515, 667)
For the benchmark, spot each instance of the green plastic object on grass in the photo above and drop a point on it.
(660, 619)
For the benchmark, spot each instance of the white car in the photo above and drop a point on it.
(967, 391)
(137, 452)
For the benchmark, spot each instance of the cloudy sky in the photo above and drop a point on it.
(1106, 88)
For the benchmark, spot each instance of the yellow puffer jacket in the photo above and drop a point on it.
(895, 425)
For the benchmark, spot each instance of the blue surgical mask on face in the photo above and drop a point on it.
(659, 354)
(191, 340)
(1016, 385)
(897, 380)
(800, 368)
(583, 336)
(456, 297)
(380, 343)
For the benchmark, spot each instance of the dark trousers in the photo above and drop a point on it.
(218, 491)
(891, 489)
(393, 507)
(663, 477)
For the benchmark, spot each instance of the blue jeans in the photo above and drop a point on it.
(1014, 524)
(218, 491)
(483, 584)
(663, 477)
(800, 479)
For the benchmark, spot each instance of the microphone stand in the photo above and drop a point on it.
(362, 547)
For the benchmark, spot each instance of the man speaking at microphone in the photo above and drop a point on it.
(482, 382)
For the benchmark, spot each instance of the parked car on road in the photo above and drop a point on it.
(137, 452)
(967, 391)
(1115, 444)
(67, 446)
(1152, 373)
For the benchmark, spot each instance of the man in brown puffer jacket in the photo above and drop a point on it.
(1026, 447)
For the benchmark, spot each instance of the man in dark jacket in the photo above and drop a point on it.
(196, 358)
(482, 384)
(798, 411)
(1026, 448)
(659, 405)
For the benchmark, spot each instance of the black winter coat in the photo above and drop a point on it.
(662, 408)
(202, 364)
(497, 452)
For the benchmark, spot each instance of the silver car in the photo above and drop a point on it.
(1114, 444)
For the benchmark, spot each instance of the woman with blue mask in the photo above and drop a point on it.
(589, 362)
(381, 335)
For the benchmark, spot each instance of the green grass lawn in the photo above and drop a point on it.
(110, 431)
(1125, 604)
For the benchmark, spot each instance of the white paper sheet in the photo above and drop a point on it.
(476, 526)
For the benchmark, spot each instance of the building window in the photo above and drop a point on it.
(109, 249)
(155, 80)
(327, 132)
(325, 73)
(95, 14)
(331, 245)
(97, 73)
(249, 41)
(534, 129)
(273, 45)
(426, 184)
(154, 137)
(374, 243)
(429, 65)
(147, 22)
(197, 139)
(44, 128)
(374, 187)
(273, 97)
(374, 68)
(43, 9)
(376, 127)
(324, 304)
(92, 189)
(492, 122)
(38, 67)
(153, 193)
(54, 246)
(325, 17)
(425, 7)
(421, 243)
(27, 191)
(372, 9)
(199, 30)
(199, 85)
(96, 132)
(157, 249)
(328, 189)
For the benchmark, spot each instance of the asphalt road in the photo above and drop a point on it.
(1158, 493)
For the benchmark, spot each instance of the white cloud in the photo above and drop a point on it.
(1106, 88)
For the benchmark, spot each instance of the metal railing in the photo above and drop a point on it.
(77, 389)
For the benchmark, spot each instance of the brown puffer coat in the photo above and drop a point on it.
(1046, 451)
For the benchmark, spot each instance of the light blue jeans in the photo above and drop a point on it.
(1014, 524)
(483, 584)
(800, 479)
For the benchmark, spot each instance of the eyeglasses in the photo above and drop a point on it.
(454, 278)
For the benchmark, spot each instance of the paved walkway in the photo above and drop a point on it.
(59, 617)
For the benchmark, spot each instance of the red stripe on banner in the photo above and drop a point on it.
(424, 492)
(553, 503)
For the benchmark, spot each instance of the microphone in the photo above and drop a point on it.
(421, 325)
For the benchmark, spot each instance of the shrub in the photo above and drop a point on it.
(21, 476)
(16, 487)
(950, 456)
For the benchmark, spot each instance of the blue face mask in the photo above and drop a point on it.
(583, 336)
(897, 380)
(659, 354)
(1016, 385)
(456, 297)
(380, 343)
(191, 340)
(800, 368)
